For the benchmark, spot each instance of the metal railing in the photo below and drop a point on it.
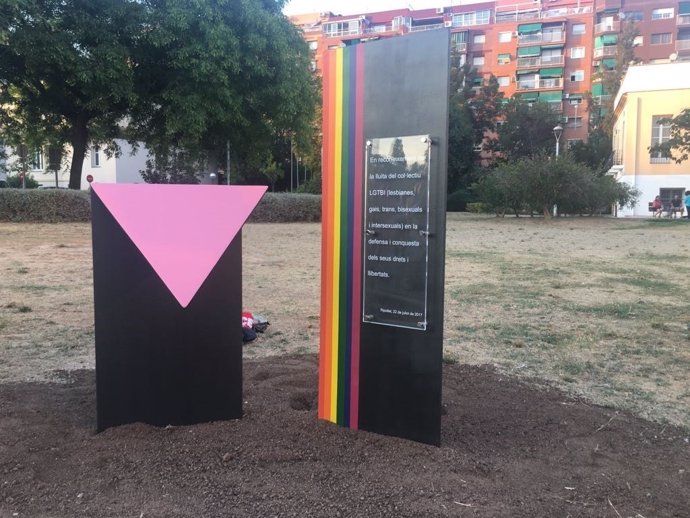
(542, 37)
(683, 19)
(607, 27)
(517, 15)
(429, 27)
(538, 61)
(682, 44)
(534, 84)
(603, 52)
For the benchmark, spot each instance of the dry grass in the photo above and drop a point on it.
(596, 306)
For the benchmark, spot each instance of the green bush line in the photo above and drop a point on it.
(65, 206)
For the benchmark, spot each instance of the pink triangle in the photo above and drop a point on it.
(182, 230)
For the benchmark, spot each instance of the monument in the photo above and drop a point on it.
(385, 127)
(167, 267)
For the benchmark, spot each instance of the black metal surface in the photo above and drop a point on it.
(406, 93)
(156, 362)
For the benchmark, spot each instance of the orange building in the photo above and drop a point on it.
(541, 50)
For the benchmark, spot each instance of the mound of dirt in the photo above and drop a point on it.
(509, 449)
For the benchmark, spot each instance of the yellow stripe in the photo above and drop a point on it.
(338, 171)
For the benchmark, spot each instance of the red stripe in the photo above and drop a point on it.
(357, 241)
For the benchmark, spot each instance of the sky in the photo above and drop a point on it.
(362, 6)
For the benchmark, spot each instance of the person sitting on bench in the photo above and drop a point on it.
(657, 207)
(676, 207)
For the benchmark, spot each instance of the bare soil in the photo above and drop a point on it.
(509, 450)
(560, 338)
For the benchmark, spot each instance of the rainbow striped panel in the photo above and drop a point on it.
(341, 246)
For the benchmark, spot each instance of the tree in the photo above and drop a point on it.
(66, 69)
(601, 114)
(241, 78)
(680, 137)
(181, 75)
(596, 152)
(527, 130)
(472, 116)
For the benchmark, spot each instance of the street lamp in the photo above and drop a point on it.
(557, 132)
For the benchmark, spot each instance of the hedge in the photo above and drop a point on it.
(63, 205)
(44, 205)
(287, 207)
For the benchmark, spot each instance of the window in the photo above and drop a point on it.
(479, 39)
(95, 156)
(503, 59)
(578, 28)
(36, 159)
(341, 28)
(663, 13)
(573, 122)
(505, 37)
(312, 66)
(313, 45)
(575, 101)
(632, 16)
(577, 75)
(661, 132)
(573, 141)
(473, 18)
(503, 80)
(638, 41)
(478, 61)
(663, 38)
(577, 52)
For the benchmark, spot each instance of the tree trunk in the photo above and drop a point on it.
(79, 141)
(547, 212)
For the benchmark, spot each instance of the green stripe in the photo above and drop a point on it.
(344, 230)
(597, 89)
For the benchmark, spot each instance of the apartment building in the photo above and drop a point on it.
(541, 50)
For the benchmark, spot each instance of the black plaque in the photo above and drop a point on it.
(397, 231)
(406, 93)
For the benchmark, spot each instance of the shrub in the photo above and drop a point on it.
(15, 181)
(478, 208)
(287, 208)
(44, 205)
(62, 205)
(458, 200)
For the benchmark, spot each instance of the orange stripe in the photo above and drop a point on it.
(327, 238)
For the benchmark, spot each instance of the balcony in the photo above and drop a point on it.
(683, 19)
(602, 28)
(598, 100)
(604, 52)
(539, 84)
(542, 37)
(683, 45)
(539, 61)
(429, 27)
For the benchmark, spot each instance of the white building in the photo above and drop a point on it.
(649, 95)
